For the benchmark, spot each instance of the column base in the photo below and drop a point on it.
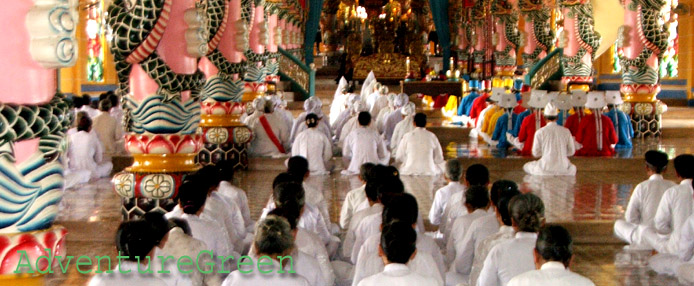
(135, 208)
(646, 117)
(213, 153)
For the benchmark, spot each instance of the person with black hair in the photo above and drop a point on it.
(553, 253)
(85, 152)
(314, 146)
(554, 145)
(644, 201)
(116, 110)
(353, 122)
(674, 209)
(363, 145)
(355, 200)
(87, 106)
(299, 167)
(420, 151)
(477, 204)
(453, 174)
(311, 105)
(475, 175)
(402, 208)
(515, 256)
(397, 248)
(467, 249)
(234, 194)
(109, 130)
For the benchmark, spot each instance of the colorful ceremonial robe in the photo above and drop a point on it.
(573, 121)
(466, 103)
(479, 104)
(527, 132)
(502, 127)
(491, 126)
(519, 122)
(622, 124)
(596, 138)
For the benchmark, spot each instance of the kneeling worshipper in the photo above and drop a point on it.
(385, 111)
(394, 117)
(506, 121)
(273, 245)
(420, 151)
(403, 127)
(596, 133)
(353, 123)
(579, 98)
(554, 145)
(346, 115)
(622, 122)
(311, 105)
(314, 146)
(553, 254)
(363, 145)
(280, 108)
(109, 130)
(640, 213)
(466, 103)
(378, 99)
(524, 103)
(484, 127)
(85, 152)
(367, 86)
(270, 133)
(479, 104)
(338, 104)
(531, 123)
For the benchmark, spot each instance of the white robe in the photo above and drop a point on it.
(351, 124)
(311, 220)
(240, 199)
(381, 118)
(550, 274)
(180, 244)
(210, 232)
(270, 277)
(674, 209)
(90, 111)
(398, 274)
(350, 235)
(554, 144)
(441, 199)
(311, 244)
(363, 145)
(403, 127)
(350, 205)
(110, 134)
(378, 102)
(132, 277)
(460, 227)
(505, 233)
(85, 153)
(338, 104)
(508, 259)
(420, 153)
(389, 124)
(261, 145)
(300, 125)
(344, 117)
(368, 84)
(286, 117)
(316, 148)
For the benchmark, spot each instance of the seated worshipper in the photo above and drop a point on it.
(506, 121)
(596, 133)
(191, 203)
(270, 134)
(135, 240)
(397, 248)
(466, 103)
(394, 117)
(116, 109)
(314, 146)
(419, 150)
(355, 200)
(298, 167)
(510, 258)
(553, 254)
(525, 103)
(380, 101)
(477, 204)
(363, 145)
(108, 129)
(428, 261)
(85, 152)
(475, 175)
(578, 100)
(453, 174)
(234, 194)
(339, 99)
(644, 201)
(279, 107)
(479, 229)
(308, 244)
(479, 104)
(403, 127)
(673, 210)
(367, 86)
(87, 106)
(311, 105)
(553, 144)
(373, 94)
(533, 122)
(350, 111)
(273, 245)
(482, 247)
(564, 104)
(685, 265)
(353, 122)
(622, 122)
(385, 111)
(483, 124)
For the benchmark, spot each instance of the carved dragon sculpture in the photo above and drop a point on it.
(538, 14)
(588, 39)
(654, 37)
(503, 11)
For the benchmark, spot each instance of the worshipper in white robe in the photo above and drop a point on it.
(314, 146)
(273, 239)
(428, 261)
(673, 210)
(116, 110)
(234, 194)
(87, 107)
(475, 175)
(477, 204)
(644, 201)
(338, 103)
(403, 127)
(280, 108)
(350, 111)
(353, 122)
(513, 257)
(367, 86)
(355, 197)
(109, 130)
(684, 266)
(394, 117)
(419, 151)
(373, 94)
(270, 133)
(397, 248)
(553, 144)
(311, 105)
(379, 100)
(85, 152)
(363, 145)
(453, 174)
(553, 254)
(298, 167)
(385, 111)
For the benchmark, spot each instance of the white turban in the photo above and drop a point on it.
(551, 110)
(401, 100)
(408, 109)
(312, 103)
(360, 106)
(259, 104)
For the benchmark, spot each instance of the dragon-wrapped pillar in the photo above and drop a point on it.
(580, 42)
(224, 136)
(256, 57)
(505, 40)
(538, 35)
(157, 64)
(33, 122)
(640, 47)
(478, 18)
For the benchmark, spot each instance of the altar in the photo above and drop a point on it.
(432, 88)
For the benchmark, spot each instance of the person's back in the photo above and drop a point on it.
(553, 144)
(108, 129)
(623, 127)
(363, 145)
(270, 135)
(83, 151)
(596, 134)
(316, 148)
(420, 151)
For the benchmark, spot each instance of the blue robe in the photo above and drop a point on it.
(466, 103)
(560, 118)
(622, 124)
(501, 128)
(519, 121)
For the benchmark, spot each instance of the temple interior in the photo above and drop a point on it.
(187, 73)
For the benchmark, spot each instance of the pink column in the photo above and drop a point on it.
(271, 26)
(258, 21)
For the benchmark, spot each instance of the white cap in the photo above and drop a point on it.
(360, 106)
(496, 93)
(508, 100)
(537, 99)
(613, 97)
(408, 109)
(401, 100)
(551, 110)
(259, 104)
(578, 97)
(596, 100)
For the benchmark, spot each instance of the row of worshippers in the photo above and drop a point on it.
(660, 217)
(96, 136)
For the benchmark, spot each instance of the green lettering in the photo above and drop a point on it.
(291, 264)
(222, 269)
(98, 264)
(269, 263)
(244, 261)
(149, 265)
(211, 264)
(179, 264)
(163, 261)
(23, 254)
(119, 257)
(60, 263)
(79, 263)
(48, 259)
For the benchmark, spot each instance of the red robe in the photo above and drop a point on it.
(527, 133)
(479, 104)
(572, 122)
(587, 136)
